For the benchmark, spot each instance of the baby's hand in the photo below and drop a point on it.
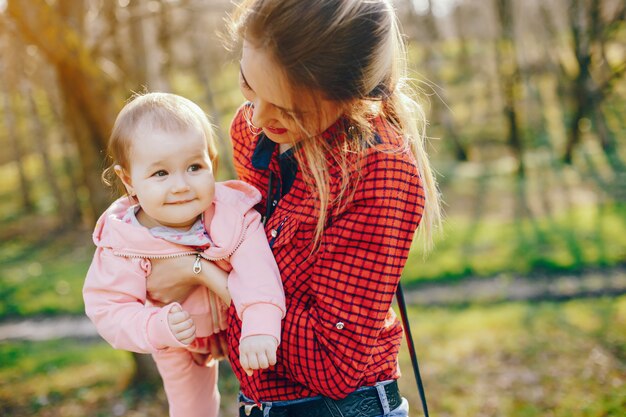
(257, 352)
(181, 325)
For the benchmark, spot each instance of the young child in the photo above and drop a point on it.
(163, 151)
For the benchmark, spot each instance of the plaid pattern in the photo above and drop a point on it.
(339, 332)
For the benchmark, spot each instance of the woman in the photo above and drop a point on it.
(335, 145)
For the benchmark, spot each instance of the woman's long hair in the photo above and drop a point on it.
(350, 52)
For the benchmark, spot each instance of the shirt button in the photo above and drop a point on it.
(274, 203)
(274, 233)
(339, 326)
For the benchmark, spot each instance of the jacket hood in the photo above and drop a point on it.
(225, 220)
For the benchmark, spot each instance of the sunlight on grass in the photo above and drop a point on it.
(73, 378)
(577, 238)
(521, 359)
(514, 360)
(34, 375)
(44, 279)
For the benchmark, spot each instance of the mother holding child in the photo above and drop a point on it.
(298, 262)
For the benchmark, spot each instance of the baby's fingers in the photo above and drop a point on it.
(186, 335)
(245, 364)
(177, 316)
(263, 361)
(271, 356)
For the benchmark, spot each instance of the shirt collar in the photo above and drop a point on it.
(265, 148)
(263, 152)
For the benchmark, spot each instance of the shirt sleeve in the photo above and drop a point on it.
(254, 283)
(115, 301)
(354, 278)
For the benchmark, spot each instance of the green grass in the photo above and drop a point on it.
(59, 374)
(582, 237)
(514, 360)
(522, 359)
(44, 277)
(73, 378)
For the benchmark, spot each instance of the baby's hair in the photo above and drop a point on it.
(162, 111)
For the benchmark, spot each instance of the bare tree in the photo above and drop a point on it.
(144, 31)
(509, 74)
(204, 69)
(88, 102)
(589, 44)
(10, 122)
(72, 211)
(38, 132)
(435, 63)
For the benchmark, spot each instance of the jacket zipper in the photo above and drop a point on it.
(197, 265)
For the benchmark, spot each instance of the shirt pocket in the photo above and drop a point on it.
(291, 231)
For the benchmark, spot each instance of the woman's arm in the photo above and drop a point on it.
(354, 279)
(172, 280)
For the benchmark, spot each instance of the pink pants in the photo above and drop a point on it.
(191, 389)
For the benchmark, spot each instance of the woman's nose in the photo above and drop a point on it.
(260, 113)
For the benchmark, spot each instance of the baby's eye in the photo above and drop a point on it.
(160, 173)
(194, 167)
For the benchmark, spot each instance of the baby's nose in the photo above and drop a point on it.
(180, 185)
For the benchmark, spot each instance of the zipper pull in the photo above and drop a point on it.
(197, 265)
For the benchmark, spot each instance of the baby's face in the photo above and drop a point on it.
(171, 175)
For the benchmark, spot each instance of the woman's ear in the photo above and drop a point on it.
(125, 178)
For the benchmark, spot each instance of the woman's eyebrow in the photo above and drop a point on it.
(248, 84)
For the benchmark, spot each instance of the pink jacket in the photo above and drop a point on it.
(115, 287)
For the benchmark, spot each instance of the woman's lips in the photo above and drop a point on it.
(275, 130)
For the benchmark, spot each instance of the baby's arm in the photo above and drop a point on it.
(257, 292)
(115, 301)
(254, 283)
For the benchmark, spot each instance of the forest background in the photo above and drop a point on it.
(519, 311)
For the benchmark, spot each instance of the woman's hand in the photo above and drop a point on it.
(173, 279)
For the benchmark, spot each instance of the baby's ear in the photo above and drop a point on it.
(125, 178)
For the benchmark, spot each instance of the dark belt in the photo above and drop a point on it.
(362, 403)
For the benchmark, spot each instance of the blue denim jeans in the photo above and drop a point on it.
(400, 411)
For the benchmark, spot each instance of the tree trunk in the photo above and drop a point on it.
(145, 61)
(509, 73)
(9, 121)
(582, 51)
(38, 133)
(203, 70)
(87, 94)
(72, 214)
(440, 110)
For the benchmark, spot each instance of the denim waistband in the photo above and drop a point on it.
(267, 405)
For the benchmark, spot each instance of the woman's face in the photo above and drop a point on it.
(264, 84)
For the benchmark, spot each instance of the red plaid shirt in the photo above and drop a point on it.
(339, 332)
